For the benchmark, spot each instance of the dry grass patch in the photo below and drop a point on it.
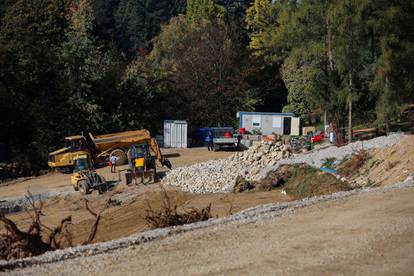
(169, 214)
(299, 181)
(356, 162)
(306, 181)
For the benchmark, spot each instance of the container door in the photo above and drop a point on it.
(185, 130)
(177, 128)
(167, 134)
(295, 126)
(181, 135)
(173, 135)
(287, 125)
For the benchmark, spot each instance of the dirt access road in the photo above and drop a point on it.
(367, 234)
(57, 182)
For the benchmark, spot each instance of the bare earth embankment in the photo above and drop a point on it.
(358, 231)
(368, 233)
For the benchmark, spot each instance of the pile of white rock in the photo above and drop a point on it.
(218, 176)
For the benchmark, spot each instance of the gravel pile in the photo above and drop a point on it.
(218, 176)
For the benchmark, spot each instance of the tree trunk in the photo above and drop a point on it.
(349, 121)
(329, 42)
(386, 117)
(350, 110)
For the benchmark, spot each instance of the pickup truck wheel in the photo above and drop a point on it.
(120, 154)
(83, 187)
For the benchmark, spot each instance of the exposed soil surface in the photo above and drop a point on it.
(129, 218)
(387, 166)
(368, 234)
(320, 239)
(392, 165)
(61, 182)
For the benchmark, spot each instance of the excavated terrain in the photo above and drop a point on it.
(126, 215)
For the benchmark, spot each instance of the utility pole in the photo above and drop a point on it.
(350, 110)
(349, 121)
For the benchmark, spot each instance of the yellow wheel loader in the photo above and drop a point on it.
(84, 178)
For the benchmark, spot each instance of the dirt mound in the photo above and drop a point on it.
(298, 181)
(306, 181)
(389, 165)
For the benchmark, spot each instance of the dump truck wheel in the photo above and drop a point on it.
(83, 187)
(120, 154)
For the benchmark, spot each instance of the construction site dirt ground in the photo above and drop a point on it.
(367, 234)
(129, 218)
(61, 182)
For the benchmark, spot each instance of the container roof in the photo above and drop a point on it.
(266, 113)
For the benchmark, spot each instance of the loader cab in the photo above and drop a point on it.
(82, 162)
(138, 155)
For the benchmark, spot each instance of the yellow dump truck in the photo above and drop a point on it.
(103, 146)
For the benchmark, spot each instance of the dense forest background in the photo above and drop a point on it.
(112, 65)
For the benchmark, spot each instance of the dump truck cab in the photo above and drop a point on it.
(75, 143)
(64, 158)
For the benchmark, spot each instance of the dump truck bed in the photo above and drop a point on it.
(120, 139)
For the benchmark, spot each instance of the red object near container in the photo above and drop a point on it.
(242, 131)
(228, 135)
(269, 138)
(318, 137)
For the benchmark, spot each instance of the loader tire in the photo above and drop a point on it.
(120, 154)
(83, 187)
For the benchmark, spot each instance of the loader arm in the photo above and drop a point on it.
(158, 155)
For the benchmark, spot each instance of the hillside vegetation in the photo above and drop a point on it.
(112, 65)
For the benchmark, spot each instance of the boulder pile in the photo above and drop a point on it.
(219, 176)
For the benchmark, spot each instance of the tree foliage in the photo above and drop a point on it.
(211, 76)
(30, 35)
(113, 65)
(335, 52)
(198, 10)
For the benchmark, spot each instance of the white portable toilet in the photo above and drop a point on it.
(175, 134)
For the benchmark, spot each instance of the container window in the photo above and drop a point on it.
(256, 121)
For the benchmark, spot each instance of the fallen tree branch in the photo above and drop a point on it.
(94, 228)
